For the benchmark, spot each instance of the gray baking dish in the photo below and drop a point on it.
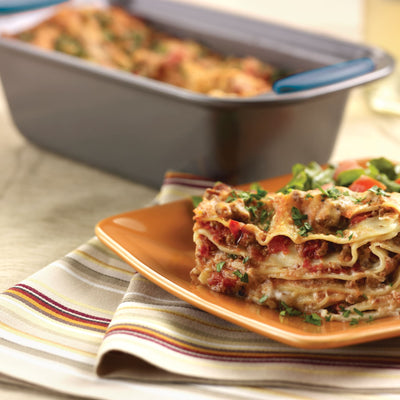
(139, 128)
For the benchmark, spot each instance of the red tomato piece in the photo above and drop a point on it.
(236, 228)
(279, 244)
(364, 182)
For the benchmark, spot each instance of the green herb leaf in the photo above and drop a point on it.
(263, 299)
(378, 191)
(310, 176)
(347, 177)
(360, 313)
(243, 277)
(196, 200)
(332, 192)
(305, 229)
(384, 166)
(313, 318)
(298, 217)
(219, 266)
(289, 310)
(346, 313)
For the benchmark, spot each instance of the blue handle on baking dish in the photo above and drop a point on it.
(324, 76)
(14, 6)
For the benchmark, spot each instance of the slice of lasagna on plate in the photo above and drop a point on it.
(329, 252)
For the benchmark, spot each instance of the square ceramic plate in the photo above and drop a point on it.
(157, 242)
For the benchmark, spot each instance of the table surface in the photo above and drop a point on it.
(49, 205)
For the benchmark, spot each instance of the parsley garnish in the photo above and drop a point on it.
(263, 299)
(245, 259)
(289, 310)
(340, 233)
(298, 217)
(313, 318)
(232, 197)
(360, 313)
(219, 266)
(358, 200)
(332, 193)
(378, 191)
(253, 204)
(243, 277)
(346, 313)
(305, 229)
(354, 321)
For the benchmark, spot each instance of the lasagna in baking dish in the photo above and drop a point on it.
(114, 38)
(330, 252)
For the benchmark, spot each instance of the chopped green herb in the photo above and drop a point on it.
(305, 229)
(219, 266)
(313, 318)
(370, 318)
(243, 277)
(340, 233)
(288, 310)
(346, 313)
(309, 196)
(378, 191)
(360, 313)
(69, 45)
(328, 317)
(332, 193)
(252, 210)
(233, 256)
(354, 321)
(298, 217)
(358, 200)
(263, 299)
(232, 197)
(245, 259)
(351, 236)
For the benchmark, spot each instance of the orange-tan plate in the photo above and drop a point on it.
(157, 242)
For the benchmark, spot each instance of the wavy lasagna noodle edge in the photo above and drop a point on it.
(335, 253)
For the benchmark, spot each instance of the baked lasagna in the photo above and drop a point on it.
(330, 253)
(114, 38)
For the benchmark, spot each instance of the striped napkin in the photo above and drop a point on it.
(88, 325)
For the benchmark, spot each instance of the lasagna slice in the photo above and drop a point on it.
(329, 252)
